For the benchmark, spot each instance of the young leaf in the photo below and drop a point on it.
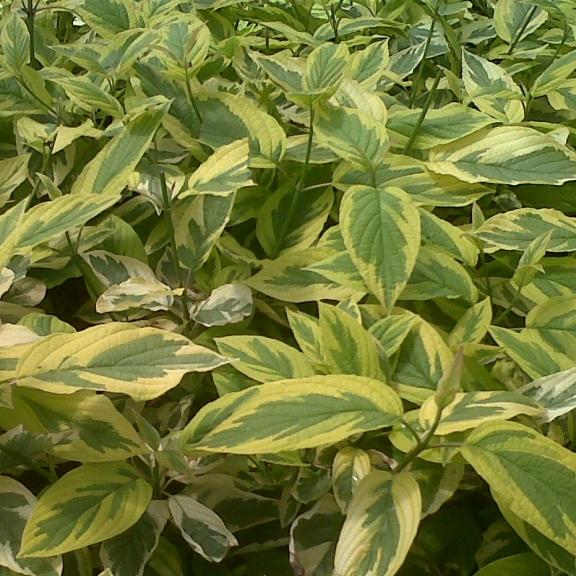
(264, 359)
(90, 504)
(380, 525)
(202, 528)
(292, 414)
(381, 230)
(140, 362)
(533, 475)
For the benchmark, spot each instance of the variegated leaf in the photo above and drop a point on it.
(556, 394)
(129, 552)
(511, 19)
(307, 334)
(525, 564)
(95, 431)
(380, 526)
(473, 325)
(381, 230)
(532, 475)
(346, 347)
(553, 76)
(109, 171)
(516, 229)
(90, 504)
(292, 414)
(325, 68)
(392, 330)
(470, 409)
(136, 292)
(506, 155)
(227, 304)
(202, 528)
(15, 41)
(264, 359)
(16, 505)
(223, 173)
(140, 362)
(348, 469)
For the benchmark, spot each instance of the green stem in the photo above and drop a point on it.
(511, 304)
(30, 11)
(485, 273)
(518, 36)
(167, 212)
(421, 445)
(412, 430)
(423, 113)
(418, 79)
(31, 92)
(308, 149)
(191, 96)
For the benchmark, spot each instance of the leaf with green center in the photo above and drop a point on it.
(325, 69)
(129, 552)
(473, 325)
(143, 363)
(554, 75)
(349, 467)
(380, 525)
(13, 172)
(202, 528)
(264, 359)
(506, 155)
(346, 347)
(511, 20)
(15, 41)
(353, 135)
(96, 431)
(223, 173)
(16, 505)
(525, 564)
(90, 504)
(532, 475)
(484, 82)
(381, 230)
(470, 409)
(110, 169)
(517, 229)
(555, 393)
(292, 414)
(227, 304)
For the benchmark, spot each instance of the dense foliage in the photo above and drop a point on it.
(287, 287)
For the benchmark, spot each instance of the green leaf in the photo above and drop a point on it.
(381, 230)
(15, 41)
(264, 359)
(108, 17)
(526, 564)
(533, 476)
(470, 409)
(223, 173)
(13, 172)
(486, 83)
(555, 393)
(110, 169)
(227, 304)
(16, 505)
(392, 331)
(380, 525)
(90, 504)
(506, 155)
(140, 362)
(325, 68)
(292, 219)
(292, 414)
(97, 431)
(511, 19)
(129, 552)
(200, 221)
(517, 229)
(353, 135)
(348, 469)
(555, 74)
(202, 528)
(45, 324)
(346, 347)
(307, 334)
(473, 325)
(288, 279)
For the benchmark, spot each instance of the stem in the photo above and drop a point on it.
(308, 149)
(511, 304)
(412, 430)
(191, 96)
(418, 79)
(423, 113)
(485, 273)
(30, 11)
(518, 36)
(31, 92)
(167, 211)
(421, 445)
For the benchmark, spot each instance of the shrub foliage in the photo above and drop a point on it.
(287, 287)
